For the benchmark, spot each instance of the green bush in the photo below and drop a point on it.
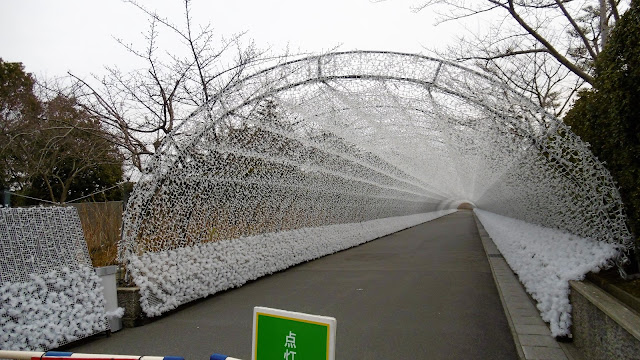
(608, 116)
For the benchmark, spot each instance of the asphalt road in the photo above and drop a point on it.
(422, 293)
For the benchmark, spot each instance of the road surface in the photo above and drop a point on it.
(423, 293)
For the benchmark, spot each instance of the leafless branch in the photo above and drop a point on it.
(507, 53)
(544, 48)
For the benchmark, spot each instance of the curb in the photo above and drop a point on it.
(531, 334)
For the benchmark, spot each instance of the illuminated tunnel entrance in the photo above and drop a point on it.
(301, 155)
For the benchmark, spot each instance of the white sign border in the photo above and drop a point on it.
(330, 321)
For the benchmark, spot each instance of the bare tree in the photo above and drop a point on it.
(68, 152)
(50, 148)
(141, 107)
(545, 48)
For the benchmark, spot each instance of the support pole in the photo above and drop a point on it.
(6, 198)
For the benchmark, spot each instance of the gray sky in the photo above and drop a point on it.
(51, 37)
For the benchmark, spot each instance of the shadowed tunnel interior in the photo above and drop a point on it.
(346, 138)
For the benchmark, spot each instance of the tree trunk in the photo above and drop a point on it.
(49, 187)
(604, 24)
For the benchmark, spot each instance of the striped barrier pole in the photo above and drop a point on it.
(62, 355)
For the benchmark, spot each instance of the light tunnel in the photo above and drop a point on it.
(348, 138)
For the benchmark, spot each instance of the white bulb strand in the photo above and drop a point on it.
(347, 138)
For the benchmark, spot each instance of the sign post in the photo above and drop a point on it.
(281, 334)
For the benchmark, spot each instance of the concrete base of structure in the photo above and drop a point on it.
(603, 327)
(129, 299)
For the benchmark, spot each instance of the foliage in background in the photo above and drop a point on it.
(17, 102)
(51, 148)
(608, 116)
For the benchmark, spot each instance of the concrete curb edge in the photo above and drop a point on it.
(531, 334)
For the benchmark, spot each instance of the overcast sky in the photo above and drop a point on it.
(52, 37)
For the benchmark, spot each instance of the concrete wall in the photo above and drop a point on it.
(603, 327)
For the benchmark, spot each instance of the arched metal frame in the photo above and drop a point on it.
(355, 136)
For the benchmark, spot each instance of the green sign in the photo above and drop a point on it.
(287, 335)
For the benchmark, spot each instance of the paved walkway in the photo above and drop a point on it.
(423, 293)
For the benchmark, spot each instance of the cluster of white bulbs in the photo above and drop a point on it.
(49, 292)
(348, 138)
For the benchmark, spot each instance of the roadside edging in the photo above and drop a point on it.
(531, 334)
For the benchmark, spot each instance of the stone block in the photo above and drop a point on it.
(129, 299)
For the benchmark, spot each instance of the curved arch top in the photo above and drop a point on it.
(354, 136)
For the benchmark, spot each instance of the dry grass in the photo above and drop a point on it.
(101, 224)
(169, 230)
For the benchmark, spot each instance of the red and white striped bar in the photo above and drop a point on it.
(61, 355)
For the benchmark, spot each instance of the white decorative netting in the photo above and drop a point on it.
(170, 278)
(545, 260)
(49, 293)
(347, 138)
